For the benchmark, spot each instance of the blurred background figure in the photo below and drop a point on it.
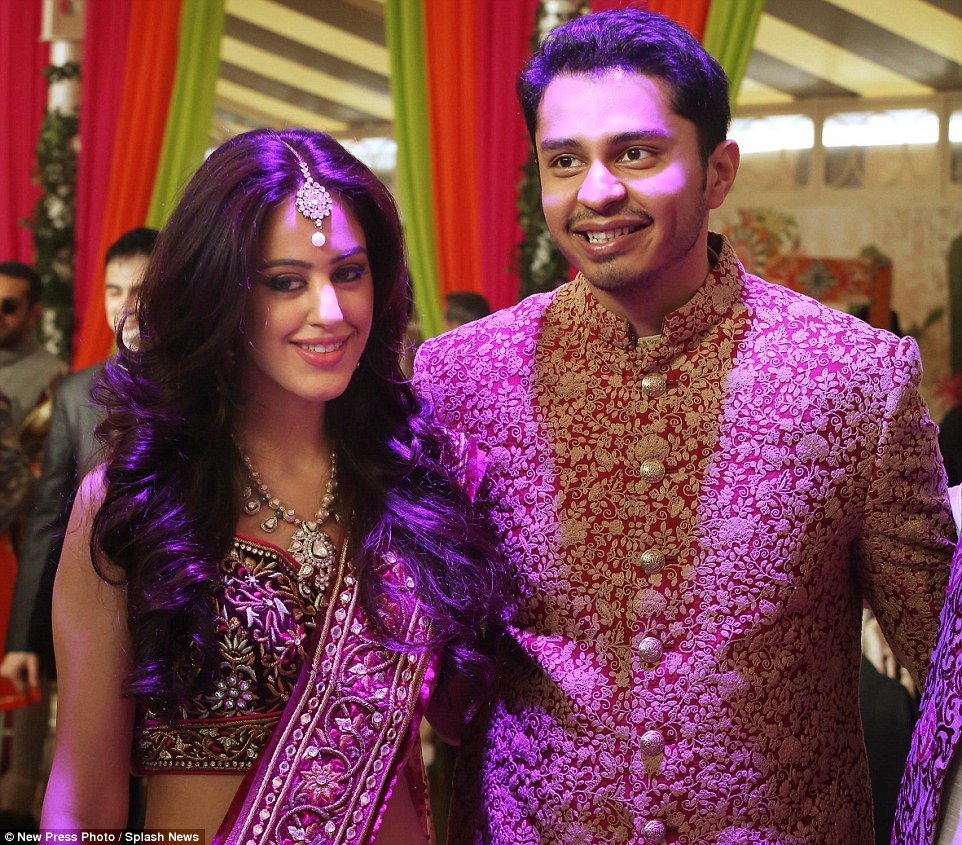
(70, 451)
(28, 376)
(27, 370)
(14, 470)
(462, 307)
(15, 481)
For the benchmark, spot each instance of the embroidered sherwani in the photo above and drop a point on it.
(693, 522)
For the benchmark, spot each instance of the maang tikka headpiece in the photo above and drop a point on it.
(313, 200)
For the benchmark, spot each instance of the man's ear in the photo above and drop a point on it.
(721, 171)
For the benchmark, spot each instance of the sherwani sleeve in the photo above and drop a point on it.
(902, 555)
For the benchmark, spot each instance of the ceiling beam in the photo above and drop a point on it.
(324, 85)
(909, 19)
(312, 33)
(826, 60)
(752, 93)
(275, 113)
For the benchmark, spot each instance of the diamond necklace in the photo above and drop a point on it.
(310, 546)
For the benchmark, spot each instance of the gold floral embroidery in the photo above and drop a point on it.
(262, 622)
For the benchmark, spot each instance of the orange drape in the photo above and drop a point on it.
(451, 60)
(148, 79)
(691, 14)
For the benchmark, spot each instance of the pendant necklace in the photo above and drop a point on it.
(310, 547)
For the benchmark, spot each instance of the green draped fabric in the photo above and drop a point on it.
(404, 25)
(192, 103)
(730, 34)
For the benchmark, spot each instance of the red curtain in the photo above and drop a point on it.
(106, 25)
(506, 32)
(691, 14)
(23, 102)
(148, 76)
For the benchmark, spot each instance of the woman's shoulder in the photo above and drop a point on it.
(77, 547)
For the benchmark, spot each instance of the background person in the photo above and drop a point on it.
(28, 375)
(462, 307)
(70, 451)
(28, 372)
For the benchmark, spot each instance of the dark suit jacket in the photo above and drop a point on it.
(70, 451)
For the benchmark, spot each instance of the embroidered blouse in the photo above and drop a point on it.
(263, 619)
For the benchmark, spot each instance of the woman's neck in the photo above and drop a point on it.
(263, 430)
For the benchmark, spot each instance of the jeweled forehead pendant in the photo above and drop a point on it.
(313, 201)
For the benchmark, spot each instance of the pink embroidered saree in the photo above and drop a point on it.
(348, 731)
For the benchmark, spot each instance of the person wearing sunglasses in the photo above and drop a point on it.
(27, 371)
(70, 451)
(28, 375)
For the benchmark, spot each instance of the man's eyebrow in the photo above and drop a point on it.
(549, 145)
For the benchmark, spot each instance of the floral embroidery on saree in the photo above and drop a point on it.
(330, 765)
(263, 618)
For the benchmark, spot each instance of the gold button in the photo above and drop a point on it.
(650, 650)
(653, 833)
(652, 561)
(652, 471)
(652, 743)
(653, 385)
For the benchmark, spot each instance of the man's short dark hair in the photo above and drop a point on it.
(138, 241)
(19, 270)
(464, 307)
(638, 41)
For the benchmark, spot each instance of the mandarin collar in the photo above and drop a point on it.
(709, 305)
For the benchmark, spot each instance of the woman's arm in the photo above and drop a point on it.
(88, 786)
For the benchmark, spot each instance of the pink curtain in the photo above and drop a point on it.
(106, 23)
(23, 101)
(504, 33)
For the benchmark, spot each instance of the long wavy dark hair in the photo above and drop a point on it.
(174, 476)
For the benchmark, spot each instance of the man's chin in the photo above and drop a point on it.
(612, 279)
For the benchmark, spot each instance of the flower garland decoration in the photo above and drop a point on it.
(54, 216)
(537, 261)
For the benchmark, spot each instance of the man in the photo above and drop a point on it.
(28, 374)
(697, 475)
(71, 450)
(27, 370)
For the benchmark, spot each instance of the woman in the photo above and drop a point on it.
(281, 542)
